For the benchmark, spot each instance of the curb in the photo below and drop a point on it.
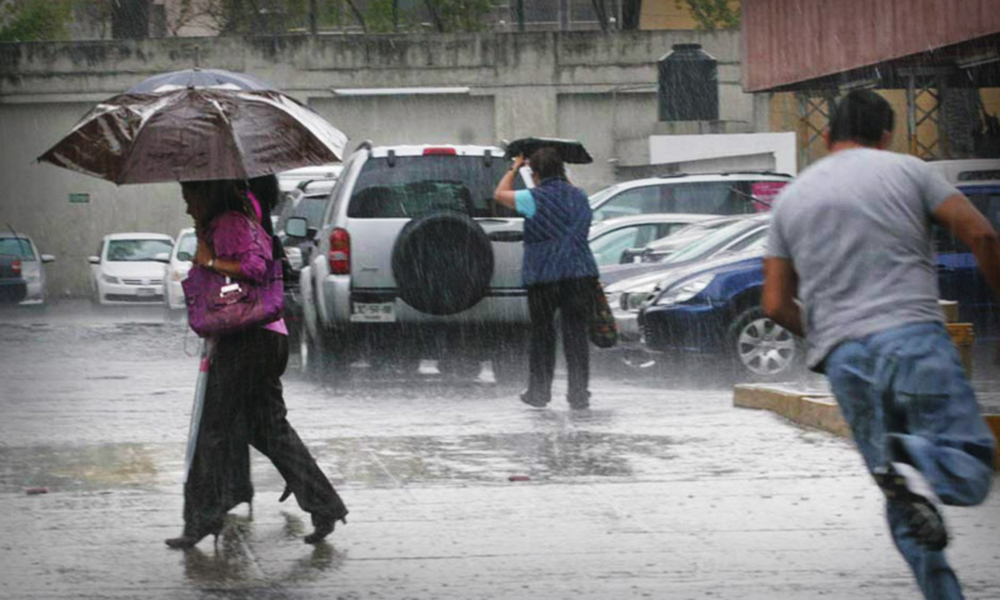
(819, 411)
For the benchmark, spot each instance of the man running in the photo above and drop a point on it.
(851, 239)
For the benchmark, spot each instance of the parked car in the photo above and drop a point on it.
(32, 264)
(611, 239)
(714, 311)
(177, 269)
(628, 296)
(13, 287)
(716, 194)
(735, 234)
(129, 268)
(959, 277)
(414, 259)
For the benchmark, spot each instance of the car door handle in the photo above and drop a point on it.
(506, 236)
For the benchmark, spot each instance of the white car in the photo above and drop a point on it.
(611, 239)
(710, 193)
(128, 268)
(18, 244)
(179, 265)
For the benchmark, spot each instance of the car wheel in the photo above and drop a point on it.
(761, 349)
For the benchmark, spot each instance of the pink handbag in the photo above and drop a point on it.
(217, 305)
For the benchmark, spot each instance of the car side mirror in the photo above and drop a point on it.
(94, 260)
(631, 255)
(297, 227)
(47, 258)
(185, 256)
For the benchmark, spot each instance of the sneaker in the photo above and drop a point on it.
(908, 487)
(534, 400)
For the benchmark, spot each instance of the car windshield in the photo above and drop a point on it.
(137, 250)
(417, 185)
(187, 246)
(703, 246)
(17, 247)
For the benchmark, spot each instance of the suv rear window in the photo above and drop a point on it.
(418, 185)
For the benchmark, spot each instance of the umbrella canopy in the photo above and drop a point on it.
(199, 78)
(571, 151)
(193, 134)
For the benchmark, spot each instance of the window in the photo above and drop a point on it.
(418, 185)
(636, 201)
(187, 246)
(137, 250)
(19, 247)
(757, 239)
(609, 248)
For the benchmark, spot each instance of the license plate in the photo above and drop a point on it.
(381, 312)
(146, 291)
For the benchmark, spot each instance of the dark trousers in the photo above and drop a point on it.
(244, 406)
(574, 299)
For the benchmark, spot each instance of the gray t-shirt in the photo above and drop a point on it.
(857, 228)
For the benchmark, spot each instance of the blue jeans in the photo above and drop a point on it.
(906, 398)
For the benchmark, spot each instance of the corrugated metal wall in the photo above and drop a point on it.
(787, 41)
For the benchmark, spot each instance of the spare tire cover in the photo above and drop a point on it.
(442, 263)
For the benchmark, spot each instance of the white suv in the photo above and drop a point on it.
(414, 259)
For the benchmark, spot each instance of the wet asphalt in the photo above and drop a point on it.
(661, 490)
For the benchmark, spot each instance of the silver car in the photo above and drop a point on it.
(32, 263)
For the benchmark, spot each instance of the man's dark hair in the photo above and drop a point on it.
(546, 163)
(861, 116)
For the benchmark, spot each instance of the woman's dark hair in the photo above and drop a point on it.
(862, 116)
(546, 163)
(265, 189)
(222, 195)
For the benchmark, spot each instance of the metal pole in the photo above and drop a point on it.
(312, 17)
(519, 7)
(911, 113)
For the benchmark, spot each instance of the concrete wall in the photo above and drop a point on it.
(587, 85)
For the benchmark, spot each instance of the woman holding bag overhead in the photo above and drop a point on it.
(243, 399)
(559, 272)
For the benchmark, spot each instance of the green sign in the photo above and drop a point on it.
(79, 198)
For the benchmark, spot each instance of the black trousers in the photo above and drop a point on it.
(574, 299)
(243, 407)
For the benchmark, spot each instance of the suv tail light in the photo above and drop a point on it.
(340, 252)
(439, 151)
(15, 266)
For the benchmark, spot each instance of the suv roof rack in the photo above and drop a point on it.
(365, 145)
(723, 173)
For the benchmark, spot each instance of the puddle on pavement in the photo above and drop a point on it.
(81, 468)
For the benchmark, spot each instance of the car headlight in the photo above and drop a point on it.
(684, 291)
(109, 279)
(633, 301)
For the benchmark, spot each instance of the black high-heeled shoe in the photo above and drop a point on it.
(189, 540)
(323, 528)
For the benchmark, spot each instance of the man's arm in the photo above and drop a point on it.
(781, 283)
(962, 219)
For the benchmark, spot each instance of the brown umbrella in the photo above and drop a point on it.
(190, 134)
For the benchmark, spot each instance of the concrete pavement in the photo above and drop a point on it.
(656, 492)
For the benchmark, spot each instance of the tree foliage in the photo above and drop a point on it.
(713, 14)
(33, 20)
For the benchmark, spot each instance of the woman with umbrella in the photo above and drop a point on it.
(558, 269)
(244, 393)
(213, 131)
